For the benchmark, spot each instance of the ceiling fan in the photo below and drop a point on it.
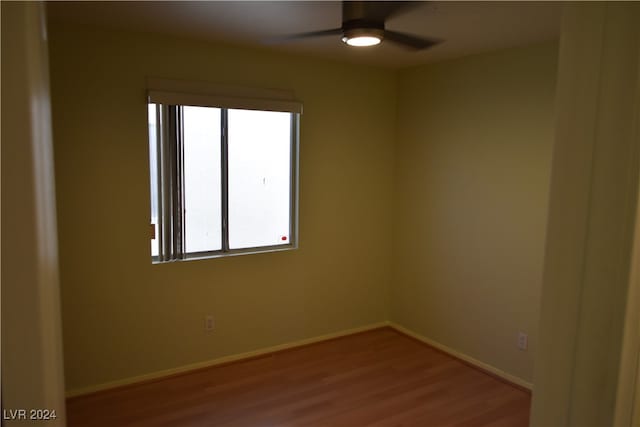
(363, 24)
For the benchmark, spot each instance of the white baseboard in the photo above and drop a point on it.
(484, 366)
(225, 359)
(263, 351)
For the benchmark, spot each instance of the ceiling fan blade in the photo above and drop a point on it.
(409, 41)
(299, 36)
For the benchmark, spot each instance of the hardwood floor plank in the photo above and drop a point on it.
(378, 378)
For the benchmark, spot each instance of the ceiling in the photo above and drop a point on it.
(466, 27)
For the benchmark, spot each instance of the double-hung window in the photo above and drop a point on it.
(223, 171)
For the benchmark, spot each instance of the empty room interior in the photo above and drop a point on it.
(236, 216)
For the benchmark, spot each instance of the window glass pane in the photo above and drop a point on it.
(259, 178)
(202, 194)
(153, 170)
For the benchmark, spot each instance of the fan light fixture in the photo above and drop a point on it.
(363, 36)
(361, 41)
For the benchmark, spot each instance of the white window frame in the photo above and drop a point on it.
(169, 161)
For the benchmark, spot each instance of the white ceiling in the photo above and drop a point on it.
(466, 27)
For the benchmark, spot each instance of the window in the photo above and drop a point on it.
(223, 175)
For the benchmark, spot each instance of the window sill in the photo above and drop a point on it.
(234, 252)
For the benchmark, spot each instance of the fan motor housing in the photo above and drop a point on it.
(361, 27)
(362, 24)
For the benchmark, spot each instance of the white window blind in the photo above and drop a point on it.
(202, 94)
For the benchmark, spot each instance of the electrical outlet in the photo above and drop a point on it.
(208, 323)
(523, 341)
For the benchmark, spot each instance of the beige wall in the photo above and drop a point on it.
(124, 317)
(594, 186)
(32, 375)
(462, 229)
(472, 173)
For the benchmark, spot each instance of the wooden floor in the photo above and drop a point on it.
(376, 378)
